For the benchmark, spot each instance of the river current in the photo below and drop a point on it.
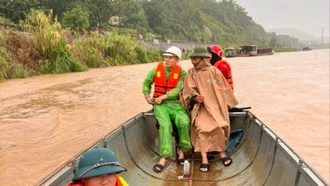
(46, 120)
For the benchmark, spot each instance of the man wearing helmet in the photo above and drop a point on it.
(167, 78)
(222, 65)
(206, 89)
(98, 167)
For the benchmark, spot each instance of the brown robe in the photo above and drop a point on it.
(210, 127)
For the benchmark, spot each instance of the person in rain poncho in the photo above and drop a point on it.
(167, 78)
(208, 95)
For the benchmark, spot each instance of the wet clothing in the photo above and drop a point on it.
(162, 85)
(169, 110)
(225, 68)
(119, 182)
(210, 126)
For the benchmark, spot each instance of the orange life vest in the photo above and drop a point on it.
(229, 77)
(119, 182)
(75, 183)
(161, 85)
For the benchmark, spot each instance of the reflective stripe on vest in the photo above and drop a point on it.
(230, 77)
(120, 181)
(161, 85)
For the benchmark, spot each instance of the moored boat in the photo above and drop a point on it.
(230, 52)
(254, 50)
(248, 50)
(306, 49)
(260, 158)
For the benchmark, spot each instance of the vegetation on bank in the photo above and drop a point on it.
(53, 38)
(208, 21)
(46, 48)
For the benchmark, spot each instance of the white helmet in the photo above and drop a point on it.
(173, 51)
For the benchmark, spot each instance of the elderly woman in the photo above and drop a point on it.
(208, 95)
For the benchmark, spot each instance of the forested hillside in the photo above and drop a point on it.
(223, 22)
(60, 36)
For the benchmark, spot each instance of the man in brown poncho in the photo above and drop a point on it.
(208, 95)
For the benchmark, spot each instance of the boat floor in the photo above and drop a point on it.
(141, 155)
(260, 158)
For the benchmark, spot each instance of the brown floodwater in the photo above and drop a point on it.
(46, 120)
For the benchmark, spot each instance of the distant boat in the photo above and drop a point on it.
(231, 52)
(265, 51)
(248, 50)
(253, 50)
(260, 158)
(306, 49)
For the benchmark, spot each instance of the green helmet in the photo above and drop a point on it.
(96, 162)
(199, 52)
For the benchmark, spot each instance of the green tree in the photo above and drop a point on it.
(136, 18)
(17, 10)
(58, 7)
(100, 12)
(273, 43)
(76, 19)
(223, 22)
(154, 13)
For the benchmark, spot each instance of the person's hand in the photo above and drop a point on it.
(150, 101)
(159, 100)
(199, 99)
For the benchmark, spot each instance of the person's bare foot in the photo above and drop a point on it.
(181, 154)
(160, 162)
(225, 159)
(181, 157)
(205, 161)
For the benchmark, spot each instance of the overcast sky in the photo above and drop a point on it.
(305, 15)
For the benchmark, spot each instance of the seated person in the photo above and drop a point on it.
(217, 61)
(206, 88)
(167, 78)
(98, 167)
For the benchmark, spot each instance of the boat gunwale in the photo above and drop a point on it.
(71, 163)
(303, 168)
(290, 152)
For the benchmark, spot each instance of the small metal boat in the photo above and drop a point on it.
(260, 158)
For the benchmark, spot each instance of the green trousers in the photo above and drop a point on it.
(165, 113)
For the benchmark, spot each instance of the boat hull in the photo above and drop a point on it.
(261, 158)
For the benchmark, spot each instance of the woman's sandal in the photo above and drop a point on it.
(158, 168)
(204, 166)
(226, 158)
(181, 161)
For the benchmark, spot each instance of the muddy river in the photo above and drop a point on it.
(46, 120)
